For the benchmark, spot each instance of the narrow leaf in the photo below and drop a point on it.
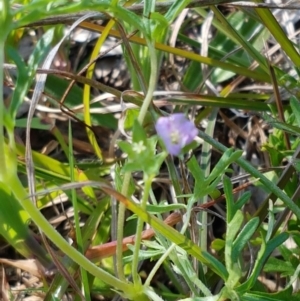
(244, 236)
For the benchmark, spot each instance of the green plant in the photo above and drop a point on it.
(234, 55)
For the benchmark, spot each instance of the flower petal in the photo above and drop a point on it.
(176, 131)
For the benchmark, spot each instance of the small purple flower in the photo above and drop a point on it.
(176, 131)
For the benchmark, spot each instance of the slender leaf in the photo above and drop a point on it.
(244, 237)
(264, 253)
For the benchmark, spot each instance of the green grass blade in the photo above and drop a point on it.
(170, 233)
(271, 23)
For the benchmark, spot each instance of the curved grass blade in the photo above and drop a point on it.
(14, 228)
(187, 54)
(221, 102)
(170, 233)
(271, 23)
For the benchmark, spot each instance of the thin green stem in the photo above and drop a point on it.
(126, 180)
(79, 239)
(2, 108)
(62, 244)
(120, 228)
(173, 175)
(139, 229)
(152, 82)
(172, 246)
(5, 28)
(158, 264)
(141, 117)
